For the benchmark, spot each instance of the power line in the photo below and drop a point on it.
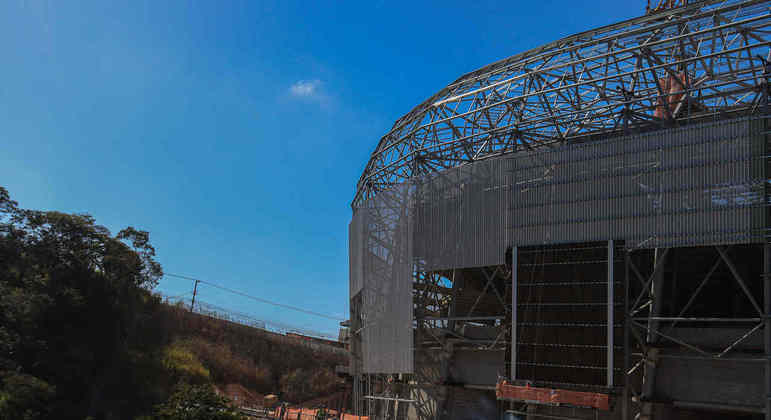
(261, 300)
(207, 309)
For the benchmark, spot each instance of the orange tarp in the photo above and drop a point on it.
(505, 391)
(352, 417)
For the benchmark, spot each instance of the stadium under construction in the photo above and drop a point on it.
(579, 231)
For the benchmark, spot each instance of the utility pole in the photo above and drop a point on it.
(195, 290)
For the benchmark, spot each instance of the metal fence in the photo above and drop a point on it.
(217, 312)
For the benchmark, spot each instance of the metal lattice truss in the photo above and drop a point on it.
(664, 69)
(650, 330)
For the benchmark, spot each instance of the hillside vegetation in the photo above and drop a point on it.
(256, 359)
(82, 336)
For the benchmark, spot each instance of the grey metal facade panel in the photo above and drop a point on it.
(729, 381)
(477, 367)
(461, 216)
(355, 249)
(687, 186)
(574, 194)
(382, 245)
(700, 184)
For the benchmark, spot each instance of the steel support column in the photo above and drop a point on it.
(625, 408)
(611, 308)
(767, 322)
(655, 294)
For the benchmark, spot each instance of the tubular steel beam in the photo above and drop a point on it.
(462, 318)
(658, 267)
(739, 280)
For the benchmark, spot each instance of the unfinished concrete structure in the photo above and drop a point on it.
(583, 225)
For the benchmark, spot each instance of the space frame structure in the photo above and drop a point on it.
(586, 218)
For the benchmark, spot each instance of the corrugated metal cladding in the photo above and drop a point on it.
(381, 263)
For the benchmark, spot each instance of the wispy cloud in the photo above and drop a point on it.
(312, 91)
(306, 88)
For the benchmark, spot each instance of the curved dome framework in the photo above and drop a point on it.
(665, 69)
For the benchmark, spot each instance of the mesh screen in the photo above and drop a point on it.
(355, 251)
(695, 185)
(678, 187)
(381, 268)
(461, 215)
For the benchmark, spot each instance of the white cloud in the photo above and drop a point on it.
(305, 88)
(312, 91)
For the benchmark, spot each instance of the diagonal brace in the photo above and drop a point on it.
(739, 280)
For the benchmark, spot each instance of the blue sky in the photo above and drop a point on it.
(235, 131)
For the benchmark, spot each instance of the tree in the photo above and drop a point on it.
(196, 403)
(24, 397)
(72, 298)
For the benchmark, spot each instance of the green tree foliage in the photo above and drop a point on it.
(82, 336)
(24, 397)
(72, 299)
(186, 367)
(196, 403)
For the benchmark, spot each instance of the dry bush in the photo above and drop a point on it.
(300, 385)
(263, 377)
(261, 361)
